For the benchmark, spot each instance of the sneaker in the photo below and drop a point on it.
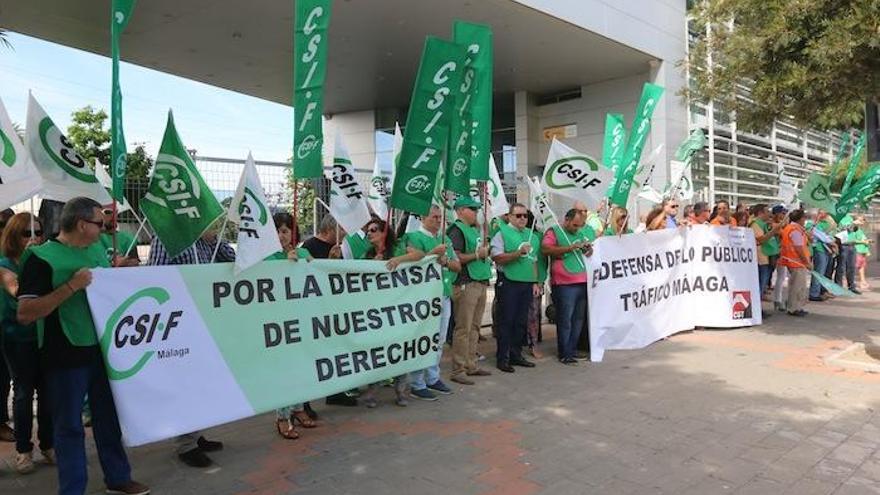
(423, 394)
(856, 291)
(24, 462)
(49, 456)
(209, 445)
(440, 388)
(129, 488)
(193, 458)
(7, 434)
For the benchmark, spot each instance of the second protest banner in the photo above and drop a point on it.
(189, 347)
(644, 287)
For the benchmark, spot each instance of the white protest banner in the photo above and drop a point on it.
(644, 287)
(19, 179)
(190, 347)
(570, 176)
(257, 236)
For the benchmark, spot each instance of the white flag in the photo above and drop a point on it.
(257, 237)
(395, 149)
(648, 164)
(570, 176)
(544, 218)
(681, 182)
(380, 191)
(106, 181)
(348, 203)
(648, 193)
(788, 191)
(498, 204)
(65, 173)
(19, 179)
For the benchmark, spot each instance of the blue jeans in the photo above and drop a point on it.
(516, 299)
(67, 390)
(847, 266)
(764, 274)
(419, 380)
(820, 264)
(28, 377)
(570, 302)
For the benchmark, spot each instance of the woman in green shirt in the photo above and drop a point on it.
(863, 250)
(617, 223)
(19, 345)
(288, 417)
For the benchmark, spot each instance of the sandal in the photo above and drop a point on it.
(302, 418)
(290, 432)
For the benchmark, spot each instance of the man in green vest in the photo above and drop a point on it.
(469, 291)
(766, 237)
(515, 250)
(824, 247)
(52, 293)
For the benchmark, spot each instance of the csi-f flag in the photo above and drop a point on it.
(348, 203)
(614, 142)
(574, 176)
(120, 15)
(539, 205)
(427, 125)
(380, 190)
(625, 174)
(178, 203)
(65, 173)
(816, 192)
(859, 193)
(854, 162)
(257, 237)
(498, 204)
(19, 179)
(309, 73)
(477, 39)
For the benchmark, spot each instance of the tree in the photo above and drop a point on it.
(89, 137)
(814, 61)
(4, 39)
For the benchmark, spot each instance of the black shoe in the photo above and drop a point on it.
(342, 400)
(506, 368)
(522, 362)
(195, 458)
(799, 312)
(817, 299)
(206, 445)
(307, 407)
(569, 361)
(856, 291)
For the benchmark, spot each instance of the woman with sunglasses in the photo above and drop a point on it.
(288, 417)
(617, 225)
(20, 348)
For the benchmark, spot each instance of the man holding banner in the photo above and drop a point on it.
(51, 293)
(514, 250)
(469, 292)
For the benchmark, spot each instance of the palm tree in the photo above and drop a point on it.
(4, 40)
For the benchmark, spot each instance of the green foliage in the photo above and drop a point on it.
(815, 61)
(840, 174)
(91, 140)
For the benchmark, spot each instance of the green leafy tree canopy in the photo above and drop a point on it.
(814, 61)
(91, 139)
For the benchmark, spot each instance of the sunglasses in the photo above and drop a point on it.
(99, 224)
(521, 215)
(35, 233)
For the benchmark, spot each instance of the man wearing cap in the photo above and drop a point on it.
(515, 252)
(469, 292)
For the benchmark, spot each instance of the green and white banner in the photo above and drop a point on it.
(477, 39)
(190, 347)
(178, 203)
(571, 176)
(816, 192)
(310, 40)
(19, 179)
(427, 125)
(619, 193)
(614, 142)
(65, 173)
(120, 15)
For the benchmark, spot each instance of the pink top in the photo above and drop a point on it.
(558, 274)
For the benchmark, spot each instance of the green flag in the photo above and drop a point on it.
(835, 165)
(120, 15)
(459, 156)
(690, 146)
(178, 203)
(854, 162)
(477, 39)
(309, 72)
(427, 125)
(614, 142)
(859, 193)
(816, 192)
(619, 192)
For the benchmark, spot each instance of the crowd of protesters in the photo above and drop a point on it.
(52, 357)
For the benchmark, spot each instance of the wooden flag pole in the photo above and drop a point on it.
(294, 235)
(113, 218)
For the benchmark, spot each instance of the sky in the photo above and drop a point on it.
(216, 122)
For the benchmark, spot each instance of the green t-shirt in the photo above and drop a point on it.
(13, 331)
(857, 237)
(124, 240)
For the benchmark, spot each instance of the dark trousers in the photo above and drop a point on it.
(583, 343)
(28, 377)
(570, 302)
(516, 299)
(4, 389)
(846, 266)
(67, 391)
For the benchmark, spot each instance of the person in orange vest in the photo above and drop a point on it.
(795, 255)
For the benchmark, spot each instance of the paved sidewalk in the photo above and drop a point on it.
(749, 411)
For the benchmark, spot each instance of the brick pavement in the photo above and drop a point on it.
(747, 411)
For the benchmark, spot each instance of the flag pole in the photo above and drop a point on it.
(113, 217)
(294, 235)
(220, 235)
(32, 218)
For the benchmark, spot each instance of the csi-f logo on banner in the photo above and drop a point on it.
(573, 171)
(61, 151)
(742, 305)
(7, 150)
(180, 185)
(128, 332)
(417, 184)
(310, 61)
(253, 213)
